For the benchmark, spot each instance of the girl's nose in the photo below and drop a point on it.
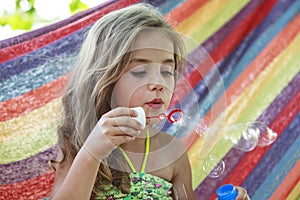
(155, 86)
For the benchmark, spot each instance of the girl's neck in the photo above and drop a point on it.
(138, 145)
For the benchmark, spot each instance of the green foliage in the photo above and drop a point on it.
(22, 19)
(77, 6)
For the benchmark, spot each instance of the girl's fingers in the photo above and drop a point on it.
(126, 121)
(121, 111)
(118, 140)
(242, 193)
(122, 131)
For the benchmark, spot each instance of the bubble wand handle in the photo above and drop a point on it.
(170, 116)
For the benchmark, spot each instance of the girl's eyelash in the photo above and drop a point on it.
(167, 73)
(138, 73)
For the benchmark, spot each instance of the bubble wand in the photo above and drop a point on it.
(171, 116)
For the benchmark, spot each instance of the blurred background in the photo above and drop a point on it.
(20, 16)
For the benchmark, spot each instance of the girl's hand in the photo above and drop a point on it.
(113, 129)
(242, 193)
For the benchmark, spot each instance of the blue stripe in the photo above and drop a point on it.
(168, 6)
(36, 77)
(38, 57)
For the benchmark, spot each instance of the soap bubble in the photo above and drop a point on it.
(246, 136)
(267, 135)
(202, 127)
(242, 136)
(213, 167)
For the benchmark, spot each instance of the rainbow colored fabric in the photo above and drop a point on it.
(256, 47)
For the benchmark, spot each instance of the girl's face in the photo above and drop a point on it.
(149, 79)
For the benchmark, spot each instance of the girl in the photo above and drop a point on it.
(130, 58)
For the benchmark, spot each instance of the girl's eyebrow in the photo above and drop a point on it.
(140, 60)
(144, 60)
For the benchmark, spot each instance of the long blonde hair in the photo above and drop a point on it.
(101, 62)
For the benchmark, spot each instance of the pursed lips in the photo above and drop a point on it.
(156, 103)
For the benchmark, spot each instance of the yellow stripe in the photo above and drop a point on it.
(28, 124)
(253, 101)
(219, 20)
(26, 147)
(202, 16)
(295, 194)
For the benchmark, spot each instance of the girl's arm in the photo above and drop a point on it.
(75, 180)
(182, 180)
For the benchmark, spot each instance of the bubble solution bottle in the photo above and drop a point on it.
(227, 192)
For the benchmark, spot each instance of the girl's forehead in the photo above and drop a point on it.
(153, 39)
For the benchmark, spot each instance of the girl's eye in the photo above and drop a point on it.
(138, 73)
(167, 73)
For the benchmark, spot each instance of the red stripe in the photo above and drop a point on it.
(14, 51)
(184, 10)
(36, 188)
(274, 48)
(287, 185)
(244, 168)
(33, 99)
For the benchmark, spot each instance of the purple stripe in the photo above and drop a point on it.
(28, 168)
(35, 33)
(206, 189)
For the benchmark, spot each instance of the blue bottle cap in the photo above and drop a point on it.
(227, 192)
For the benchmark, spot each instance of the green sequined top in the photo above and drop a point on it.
(143, 185)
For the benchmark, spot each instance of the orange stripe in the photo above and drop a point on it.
(289, 182)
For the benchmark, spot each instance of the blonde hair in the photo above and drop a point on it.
(101, 62)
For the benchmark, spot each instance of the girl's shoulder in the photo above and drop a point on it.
(168, 137)
(169, 141)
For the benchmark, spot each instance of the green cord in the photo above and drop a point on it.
(145, 157)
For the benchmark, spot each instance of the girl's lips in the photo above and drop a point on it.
(156, 103)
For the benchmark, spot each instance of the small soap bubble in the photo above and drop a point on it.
(201, 128)
(213, 167)
(267, 136)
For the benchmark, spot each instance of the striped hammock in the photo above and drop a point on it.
(254, 48)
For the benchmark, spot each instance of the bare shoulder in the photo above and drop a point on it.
(167, 140)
